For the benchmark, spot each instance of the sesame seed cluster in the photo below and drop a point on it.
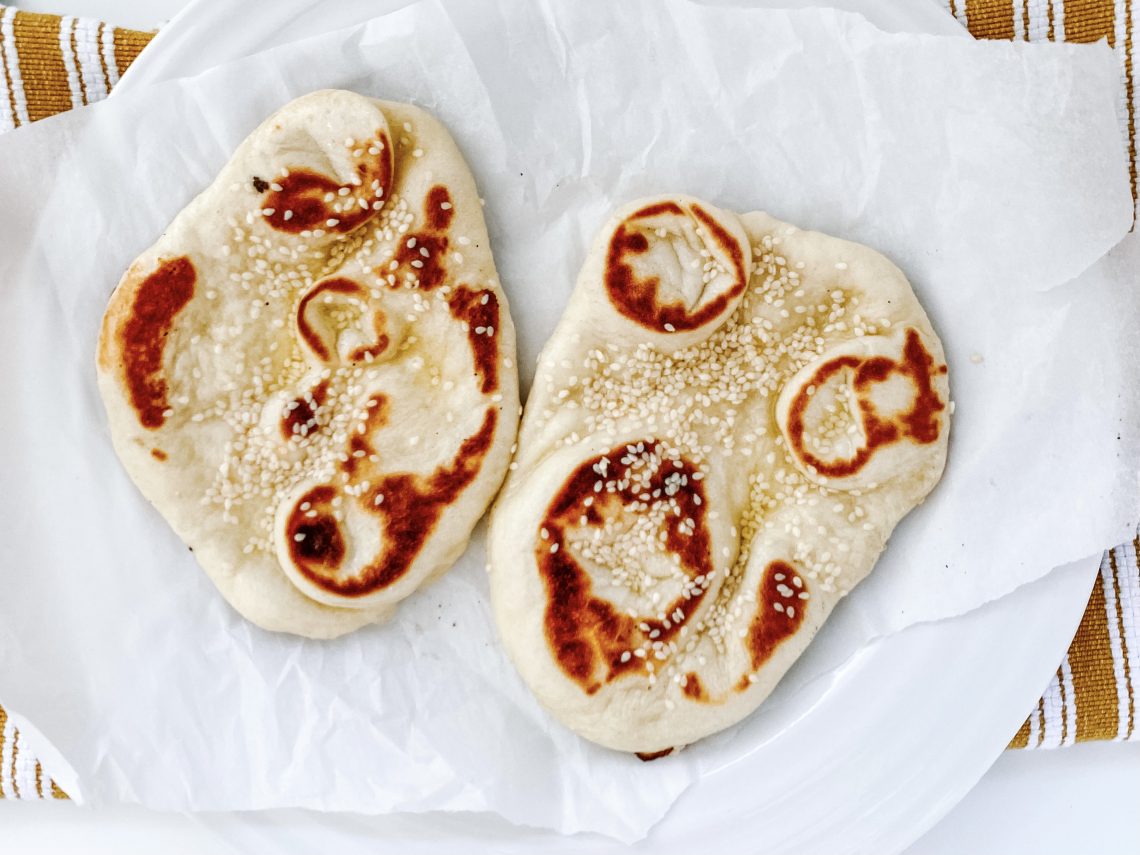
(638, 527)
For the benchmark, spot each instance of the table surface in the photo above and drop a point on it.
(1078, 799)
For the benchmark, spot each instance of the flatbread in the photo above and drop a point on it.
(730, 419)
(311, 374)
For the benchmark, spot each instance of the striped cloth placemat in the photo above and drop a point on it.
(50, 63)
(1093, 694)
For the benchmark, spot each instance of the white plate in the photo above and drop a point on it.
(863, 761)
(853, 771)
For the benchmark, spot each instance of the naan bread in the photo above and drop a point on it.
(728, 422)
(311, 373)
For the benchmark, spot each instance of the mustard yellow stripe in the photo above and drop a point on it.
(41, 64)
(1021, 738)
(57, 793)
(1094, 682)
(1025, 19)
(128, 45)
(990, 19)
(1052, 23)
(39, 780)
(1090, 21)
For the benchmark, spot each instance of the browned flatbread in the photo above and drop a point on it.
(724, 429)
(311, 374)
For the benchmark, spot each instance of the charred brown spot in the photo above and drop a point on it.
(920, 423)
(693, 688)
(360, 448)
(302, 205)
(410, 509)
(322, 542)
(300, 417)
(422, 256)
(654, 755)
(778, 614)
(158, 454)
(161, 296)
(586, 633)
(659, 208)
(260, 185)
(480, 311)
(316, 545)
(637, 299)
(438, 209)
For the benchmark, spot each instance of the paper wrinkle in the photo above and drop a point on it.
(992, 173)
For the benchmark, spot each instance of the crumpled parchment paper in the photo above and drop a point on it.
(991, 173)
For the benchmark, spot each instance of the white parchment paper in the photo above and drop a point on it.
(992, 173)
